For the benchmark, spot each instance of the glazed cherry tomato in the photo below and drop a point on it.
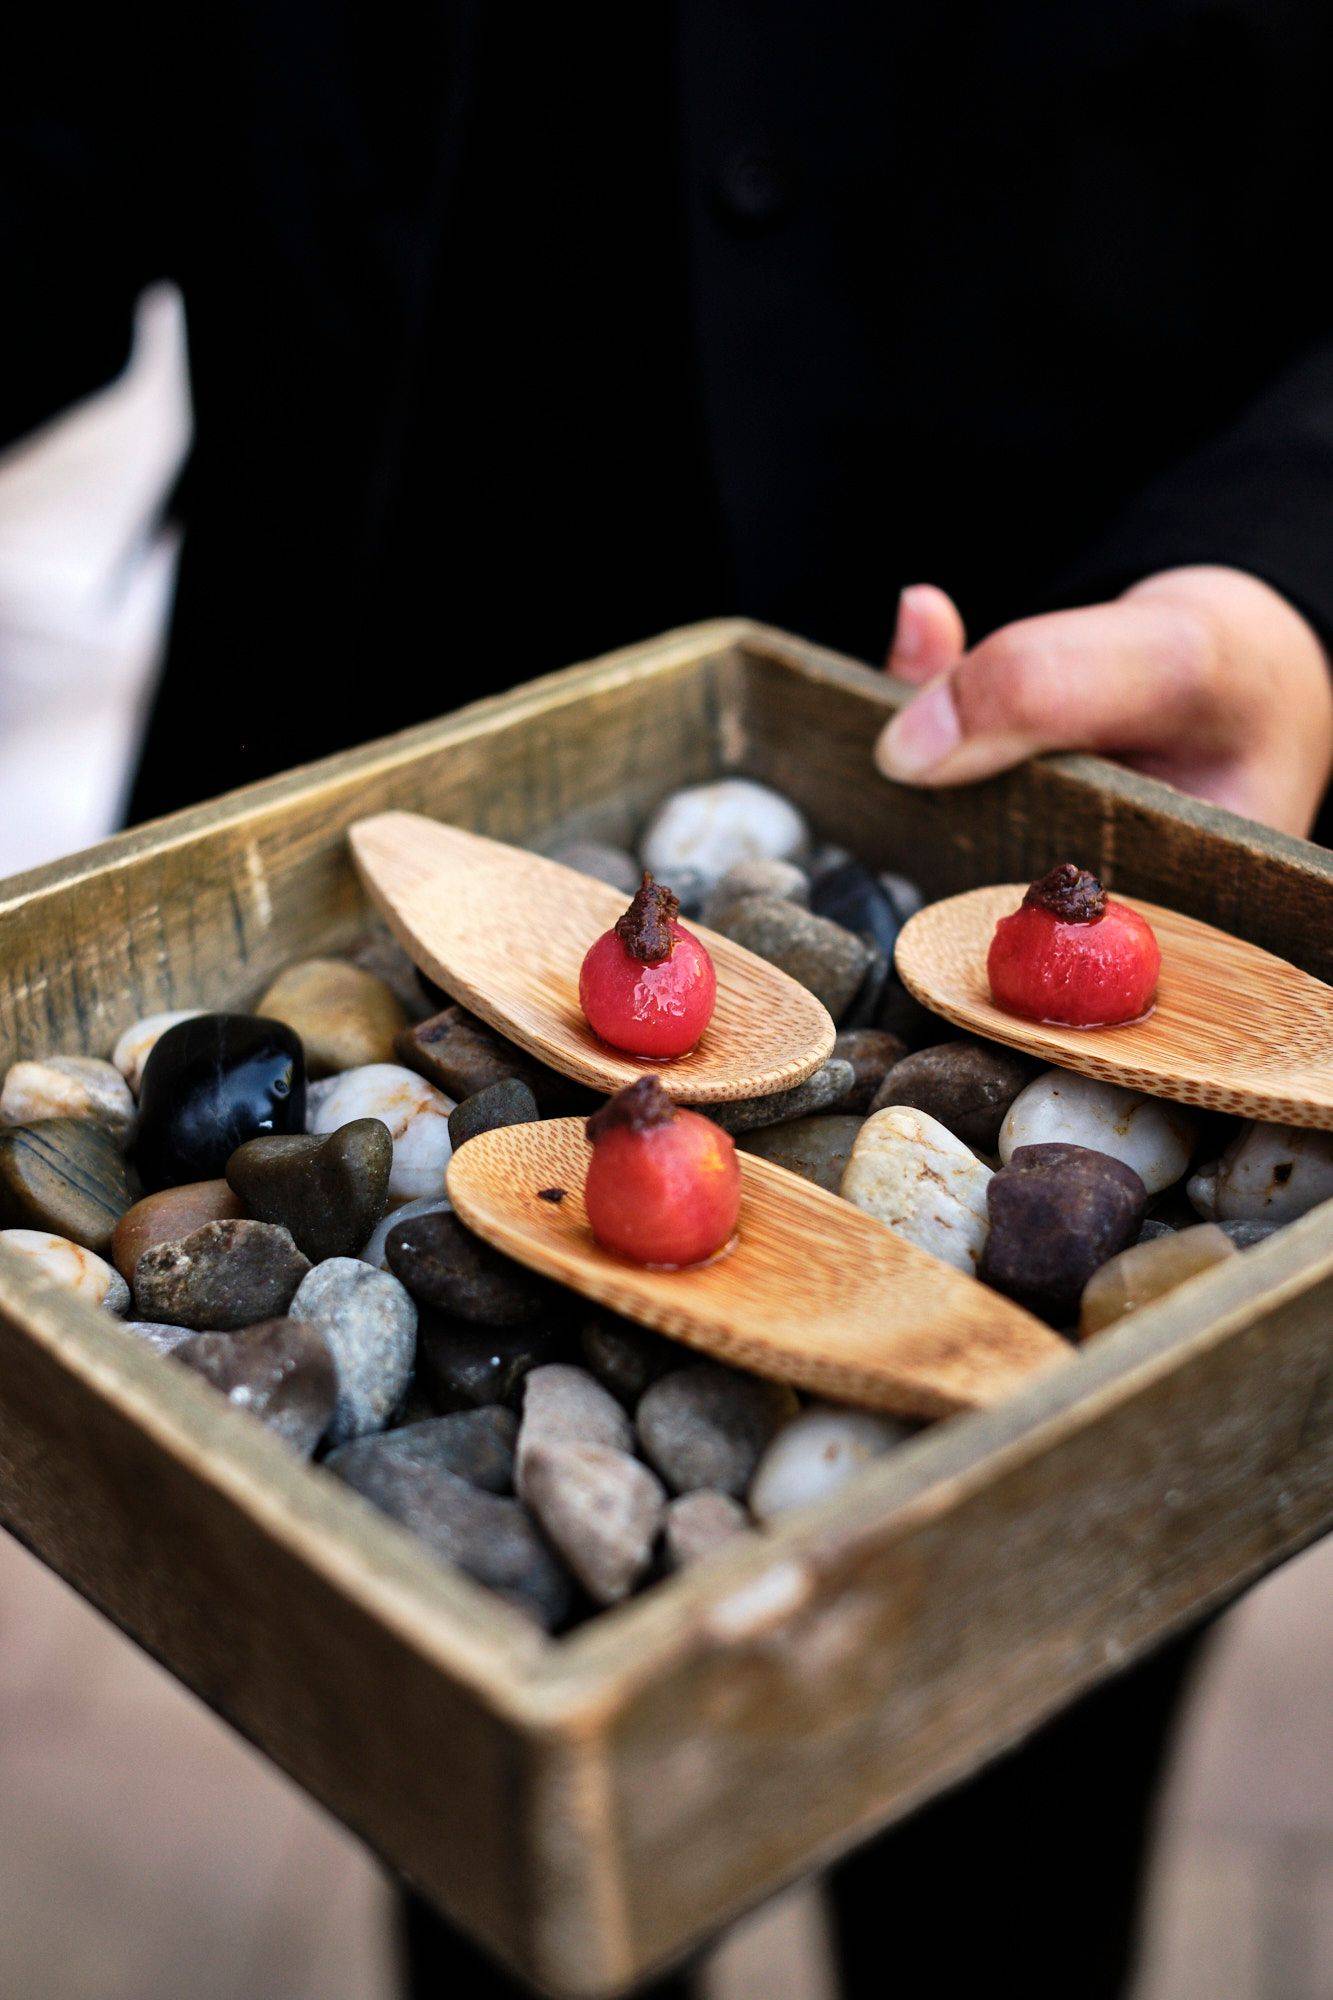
(1071, 954)
(664, 1184)
(648, 986)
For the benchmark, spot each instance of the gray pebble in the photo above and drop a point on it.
(708, 1426)
(489, 1537)
(380, 952)
(1153, 1228)
(699, 1523)
(762, 877)
(872, 1052)
(815, 1454)
(817, 1149)
(280, 1371)
(905, 893)
(165, 1339)
(1057, 1213)
(474, 1445)
(372, 1251)
(1246, 1234)
(968, 1086)
(444, 1265)
(507, 1103)
(602, 1510)
(219, 1278)
(370, 1325)
(614, 865)
(830, 1084)
(625, 1358)
(827, 960)
(566, 1405)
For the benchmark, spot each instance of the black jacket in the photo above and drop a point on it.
(517, 333)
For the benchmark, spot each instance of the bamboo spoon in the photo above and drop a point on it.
(813, 1292)
(505, 932)
(1234, 1029)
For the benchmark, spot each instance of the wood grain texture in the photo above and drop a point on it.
(813, 1292)
(505, 932)
(635, 1784)
(1235, 1029)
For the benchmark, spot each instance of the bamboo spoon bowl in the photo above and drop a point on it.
(813, 1291)
(505, 932)
(1235, 1028)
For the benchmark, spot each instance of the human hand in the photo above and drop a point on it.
(1205, 677)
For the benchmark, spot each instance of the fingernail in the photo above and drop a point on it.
(922, 736)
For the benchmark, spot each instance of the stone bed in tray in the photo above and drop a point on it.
(316, 1275)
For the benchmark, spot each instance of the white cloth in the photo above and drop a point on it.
(86, 576)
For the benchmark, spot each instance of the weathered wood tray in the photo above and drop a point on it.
(592, 1805)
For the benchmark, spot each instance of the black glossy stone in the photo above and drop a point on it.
(210, 1084)
(460, 1366)
(444, 1265)
(852, 896)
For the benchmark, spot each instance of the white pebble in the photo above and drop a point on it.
(416, 1113)
(1146, 1133)
(136, 1044)
(818, 1452)
(71, 1267)
(1269, 1173)
(913, 1173)
(428, 1204)
(69, 1087)
(710, 828)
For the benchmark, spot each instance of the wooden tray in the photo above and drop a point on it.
(590, 1806)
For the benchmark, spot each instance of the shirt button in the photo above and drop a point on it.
(754, 188)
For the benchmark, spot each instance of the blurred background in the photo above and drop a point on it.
(145, 1852)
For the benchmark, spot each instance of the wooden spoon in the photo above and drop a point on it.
(1234, 1029)
(505, 932)
(813, 1292)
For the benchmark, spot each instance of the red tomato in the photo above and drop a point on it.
(663, 1185)
(648, 986)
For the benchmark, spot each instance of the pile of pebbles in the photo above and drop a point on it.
(261, 1197)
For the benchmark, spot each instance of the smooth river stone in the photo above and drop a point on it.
(460, 1366)
(698, 1524)
(967, 1086)
(507, 1103)
(566, 1405)
(872, 1052)
(817, 1149)
(827, 960)
(379, 952)
(461, 1055)
(280, 1371)
(65, 1175)
(1057, 1213)
(912, 1172)
(345, 1016)
(167, 1216)
(70, 1266)
(221, 1277)
(210, 1084)
(762, 877)
(138, 1042)
(445, 1266)
(818, 1452)
(416, 1114)
(707, 1425)
(601, 1509)
(614, 865)
(827, 1086)
(710, 828)
(329, 1191)
(369, 1324)
(625, 1358)
(486, 1535)
(162, 1339)
(1147, 1271)
(1269, 1173)
(475, 1445)
(373, 1250)
(1148, 1134)
(70, 1087)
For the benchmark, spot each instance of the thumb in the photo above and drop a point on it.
(928, 636)
(1126, 677)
